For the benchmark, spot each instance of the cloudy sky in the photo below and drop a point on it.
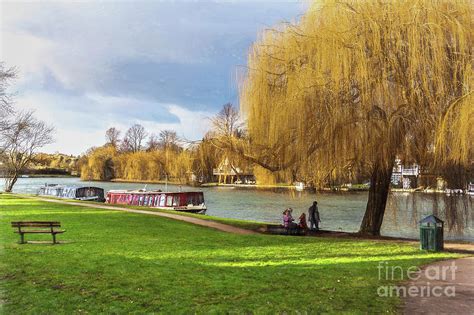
(87, 66)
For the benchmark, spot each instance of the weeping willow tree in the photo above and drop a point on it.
(355, 84)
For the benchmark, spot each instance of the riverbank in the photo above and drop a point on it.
(352, 189)
(46, 176)
(257, 186)
(155, 264)
(213, 184)
(154, 182)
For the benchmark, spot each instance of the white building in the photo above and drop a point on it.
(405, 175)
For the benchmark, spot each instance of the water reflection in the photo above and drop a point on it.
(339, 211)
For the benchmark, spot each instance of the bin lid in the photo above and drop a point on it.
(431, 219)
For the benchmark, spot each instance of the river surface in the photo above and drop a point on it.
(339, 211)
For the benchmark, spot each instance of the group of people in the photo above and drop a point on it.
(313, 217)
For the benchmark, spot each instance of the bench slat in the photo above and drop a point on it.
(41, 231)
(36, 224)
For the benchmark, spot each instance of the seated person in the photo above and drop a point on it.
(288, 219)
(302, 224)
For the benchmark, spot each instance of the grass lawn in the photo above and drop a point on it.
(116, 262)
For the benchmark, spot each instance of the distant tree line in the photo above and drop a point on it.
(53, 163)
(141, 155)
(138, 155)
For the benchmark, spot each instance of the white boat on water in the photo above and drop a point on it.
(85, 193)
(299, 186)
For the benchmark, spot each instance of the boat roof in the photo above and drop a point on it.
(145, 192)
(69, 187)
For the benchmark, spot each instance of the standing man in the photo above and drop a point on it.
(313, 214)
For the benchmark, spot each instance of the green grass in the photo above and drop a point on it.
(116, 262)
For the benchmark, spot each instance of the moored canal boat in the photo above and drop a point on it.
(85, 193)
(189, 201)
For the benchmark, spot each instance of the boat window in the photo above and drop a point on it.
(150, 201)
(162, 200)
(176, 201)
(169, 201)
(194, 199)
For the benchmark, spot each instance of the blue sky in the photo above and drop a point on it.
(87, 66)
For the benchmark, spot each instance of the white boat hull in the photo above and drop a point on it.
(191, 209)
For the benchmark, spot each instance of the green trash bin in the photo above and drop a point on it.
(431, 233)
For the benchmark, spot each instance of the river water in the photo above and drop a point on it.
(339, 211)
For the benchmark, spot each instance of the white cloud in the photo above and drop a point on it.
(85, 66)
(81, 121)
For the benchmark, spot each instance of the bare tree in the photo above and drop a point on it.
(6, 75)
(153, 143)
(112, 137)
(6, 110)
(227, 122)
(133, 139)
(227, 127)
(169, 140)
(22, 139)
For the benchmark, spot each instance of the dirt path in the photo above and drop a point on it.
(450, 293)
(197, 221)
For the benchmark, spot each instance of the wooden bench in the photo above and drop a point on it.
(37, 227)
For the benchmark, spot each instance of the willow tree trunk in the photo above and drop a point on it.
(378, 195)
